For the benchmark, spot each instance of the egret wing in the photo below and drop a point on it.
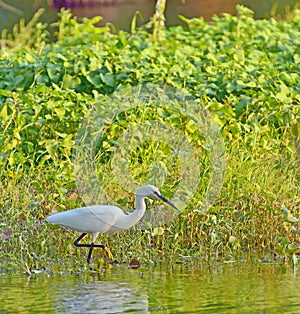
(90, 219)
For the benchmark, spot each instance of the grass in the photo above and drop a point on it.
(247, 222)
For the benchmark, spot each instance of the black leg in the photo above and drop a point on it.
(76, 243)
(90, 253)
(91, 246)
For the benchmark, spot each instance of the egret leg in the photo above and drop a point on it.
(90, 253)
(91, 246)
(76, 243)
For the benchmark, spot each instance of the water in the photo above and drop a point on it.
(219, 288)
(121, 14)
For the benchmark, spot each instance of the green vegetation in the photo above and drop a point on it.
(245, 71)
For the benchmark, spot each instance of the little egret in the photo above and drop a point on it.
(98, 219)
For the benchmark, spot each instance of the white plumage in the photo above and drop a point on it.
(98, 219)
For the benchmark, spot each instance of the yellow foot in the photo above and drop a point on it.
(107, 253)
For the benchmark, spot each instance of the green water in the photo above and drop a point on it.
(219, 288)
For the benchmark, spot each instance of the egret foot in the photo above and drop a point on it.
(107, 253)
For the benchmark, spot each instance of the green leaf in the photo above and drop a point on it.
(108, 79)
(4, 113)
(60, 111)
(70, 81)
(51, 148)
(158, 231)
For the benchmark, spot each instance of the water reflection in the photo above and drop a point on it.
(224, 288)
(101, 297)
(86, 293)
(228, 289)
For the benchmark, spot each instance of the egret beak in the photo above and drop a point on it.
(166, 201)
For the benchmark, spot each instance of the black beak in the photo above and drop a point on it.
(166, 201)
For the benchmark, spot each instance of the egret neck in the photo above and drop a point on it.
(138, 213)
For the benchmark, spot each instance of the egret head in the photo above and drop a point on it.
(151, 190)
(148, 190)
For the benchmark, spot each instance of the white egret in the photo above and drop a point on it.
(98, 219)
